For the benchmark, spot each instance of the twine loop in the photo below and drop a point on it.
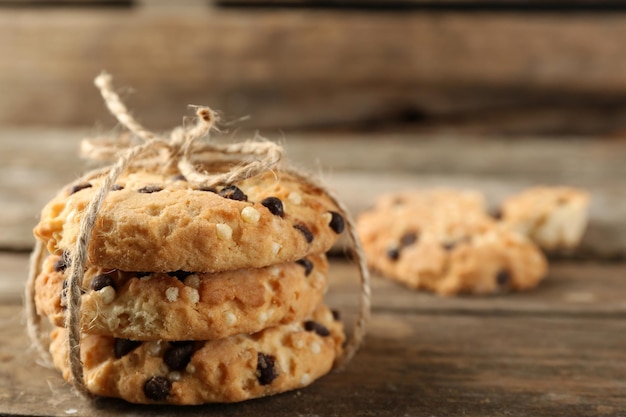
(185, 149)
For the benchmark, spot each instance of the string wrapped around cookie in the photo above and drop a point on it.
(186, 148)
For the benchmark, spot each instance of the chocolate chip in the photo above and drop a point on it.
(157, 388)
(274, 205)
(117, 187)
(308, 265)
(503, 278)
(408, 239)
(266, 368)
(336, 222)
(62, 263)
(393, 254)
(319, 328)
(101, 281)
(496, 213)
(123, 347)
(448, 245)
(233, 192)
(149, 189)
(305, 231)
(79, 187)
(181, 275)
(179, 354)
(336, 315)
(208, 189)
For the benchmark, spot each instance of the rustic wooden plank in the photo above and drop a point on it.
(302, 68)
(13, 276)
(571, 289)
(411, 364)
(35, 163)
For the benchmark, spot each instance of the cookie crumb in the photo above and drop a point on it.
(250, 215)
(171, 294)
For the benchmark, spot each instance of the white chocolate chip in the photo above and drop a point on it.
(190, 369)
(192, 281)
(274, 271)
(298, 343)
(250, 215)
(224, 231)
(171, 294)
(294, 198)
(153, 348)
(327, 217)
(262, 317)
(174, 376)
(316, 348)
(305, 379)
(230, 318)
(193, 295)
(107, 294)
(276, 247)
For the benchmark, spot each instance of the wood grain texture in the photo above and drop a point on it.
(34, 164)
(424, 355)
(297, 68)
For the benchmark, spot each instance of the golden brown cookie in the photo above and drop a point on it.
(445, 242)
(159, 223)
(182, 305)
(236, 368)
(552, 217)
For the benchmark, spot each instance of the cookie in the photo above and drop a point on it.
(553, 217)
(158, 223)
(445, 242)
(236, 368)
(182, 305)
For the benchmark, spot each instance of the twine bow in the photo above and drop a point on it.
(185, 149)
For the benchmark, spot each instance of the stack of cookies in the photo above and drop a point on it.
(195, 295)
(447, 242)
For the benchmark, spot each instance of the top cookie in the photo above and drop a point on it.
(158, 223)
(552, 217)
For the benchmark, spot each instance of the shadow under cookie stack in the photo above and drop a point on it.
(191, 294)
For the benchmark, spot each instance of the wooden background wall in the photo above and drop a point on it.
(502, 67)
(378, 96)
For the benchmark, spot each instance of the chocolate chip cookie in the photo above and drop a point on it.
(232, 369)
(184, 305)
(160, 223)
(444, 241)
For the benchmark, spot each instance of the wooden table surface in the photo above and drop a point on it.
(559, 350)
